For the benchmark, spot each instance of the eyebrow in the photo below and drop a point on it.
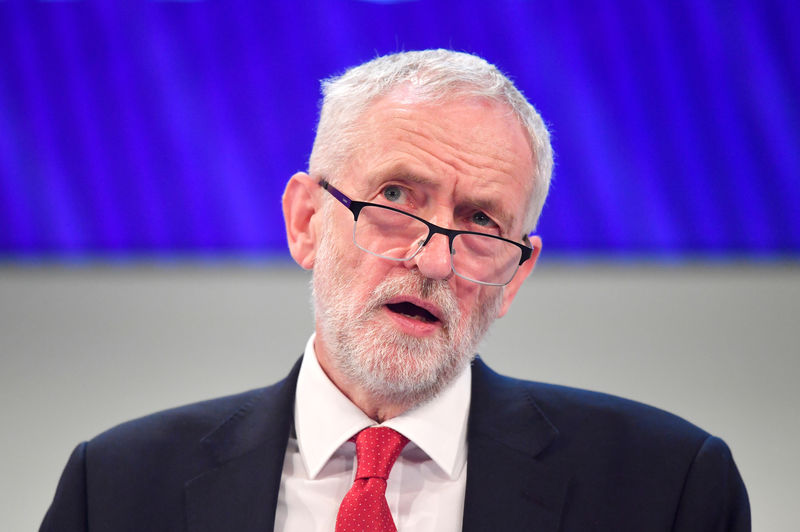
(489, 205)
(402, 173)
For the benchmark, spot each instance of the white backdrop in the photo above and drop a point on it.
(83, 349)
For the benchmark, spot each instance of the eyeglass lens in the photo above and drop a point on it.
(397, 236)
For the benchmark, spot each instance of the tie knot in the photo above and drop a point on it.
(377, 449)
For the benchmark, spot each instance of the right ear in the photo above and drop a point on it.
(300, 204)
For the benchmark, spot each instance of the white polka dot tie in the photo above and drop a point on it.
(364, 507)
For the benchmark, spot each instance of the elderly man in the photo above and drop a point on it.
(427, 176)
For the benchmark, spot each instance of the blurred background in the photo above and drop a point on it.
(144, 147)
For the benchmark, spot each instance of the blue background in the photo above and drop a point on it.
(168, 129)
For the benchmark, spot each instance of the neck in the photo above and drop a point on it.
(376, 408)
(373, 408)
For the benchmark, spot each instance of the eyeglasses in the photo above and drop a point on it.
(393, 234)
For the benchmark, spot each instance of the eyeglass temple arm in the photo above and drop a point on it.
(335, 192)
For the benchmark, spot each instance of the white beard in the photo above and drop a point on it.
(391, 366)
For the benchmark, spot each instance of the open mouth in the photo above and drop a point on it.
(412, 311)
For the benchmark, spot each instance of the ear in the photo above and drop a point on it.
(525, 269)
(300, 204)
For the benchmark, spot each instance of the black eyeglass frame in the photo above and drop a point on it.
(356, 206)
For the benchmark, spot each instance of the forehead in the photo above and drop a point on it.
(472, 148)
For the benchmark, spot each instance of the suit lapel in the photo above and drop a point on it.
(510, 484)
(240, 491)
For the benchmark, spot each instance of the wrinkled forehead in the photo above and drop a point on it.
(476, 141)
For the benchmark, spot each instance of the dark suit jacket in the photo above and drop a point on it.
(541, 458)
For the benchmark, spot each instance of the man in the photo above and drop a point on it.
(427, 175)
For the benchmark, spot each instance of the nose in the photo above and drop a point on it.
(434, 260)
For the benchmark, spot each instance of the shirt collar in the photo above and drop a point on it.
(325, 419)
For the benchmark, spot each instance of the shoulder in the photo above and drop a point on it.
(134, 475)
(168, 445)
(584, 418)
(574, 409)
(624, 460)
(196, 421)
(187, 422)
(184, 434)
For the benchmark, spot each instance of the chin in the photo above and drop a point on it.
(398, 368)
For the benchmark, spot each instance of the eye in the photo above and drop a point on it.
(480, 218)
(393, 193)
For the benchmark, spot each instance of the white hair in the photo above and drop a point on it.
(436, 76)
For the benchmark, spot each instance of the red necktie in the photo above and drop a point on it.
(364, 507)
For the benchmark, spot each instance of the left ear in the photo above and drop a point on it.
(525, 269)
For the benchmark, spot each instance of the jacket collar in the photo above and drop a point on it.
(511, 485)
(240, 491)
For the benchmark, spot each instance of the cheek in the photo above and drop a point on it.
(470, 296)
(482, 301)
(344, 250)
(365, 272)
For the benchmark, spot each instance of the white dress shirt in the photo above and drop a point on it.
(425, 490)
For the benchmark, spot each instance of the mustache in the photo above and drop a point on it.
(436, 291)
